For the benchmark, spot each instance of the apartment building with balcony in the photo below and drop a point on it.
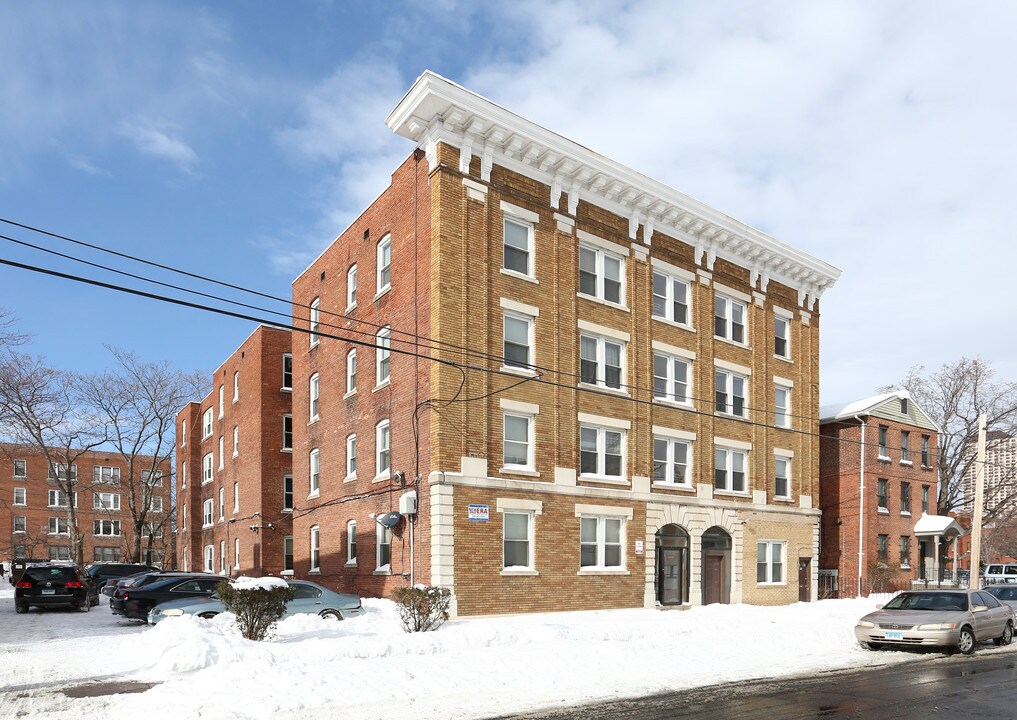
(233, 450)
(545, 381)
(34, 507)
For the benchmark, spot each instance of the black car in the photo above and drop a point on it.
(101, 573)
(138, 601)
(115, 589)
(54, 585)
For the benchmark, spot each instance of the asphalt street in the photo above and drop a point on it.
(979, 687)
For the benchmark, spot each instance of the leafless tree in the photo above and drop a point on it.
(953, 397)
(138, 402)
(40, 409)
(9, 336)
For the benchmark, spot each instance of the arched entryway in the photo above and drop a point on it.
(672, 565)
(716, 556)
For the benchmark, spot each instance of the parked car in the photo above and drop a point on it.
(308, 598)
(54, 585)
(113, 583)
(999, 573)
(101, 573)
(137, 601)
(1006, 594)
(116, 593)
(956, 619)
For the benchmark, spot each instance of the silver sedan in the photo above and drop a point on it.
(955, 619)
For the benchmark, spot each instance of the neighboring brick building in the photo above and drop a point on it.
(233, 464)
(619, 404)
(882, 450)
(33, 509)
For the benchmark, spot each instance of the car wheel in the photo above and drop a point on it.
(1007, 637)
(966, 641)
(19, 608)
(207, 615)
(330, 615)
(85, 605)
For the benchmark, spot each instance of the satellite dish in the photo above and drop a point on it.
(389, 519)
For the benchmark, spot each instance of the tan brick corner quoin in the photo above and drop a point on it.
(539, 336)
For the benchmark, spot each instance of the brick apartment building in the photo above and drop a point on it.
(1000, 488)
(878, 482)
(233, 450)
(33, 508)
(581, 388)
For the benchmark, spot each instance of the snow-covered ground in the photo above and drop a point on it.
(369, 668)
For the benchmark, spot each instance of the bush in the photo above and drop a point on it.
(423, 607)
(258, 606)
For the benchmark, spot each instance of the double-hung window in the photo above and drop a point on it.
(351, 456)
(58, 498)
(600, 542)
(222, 503)
(601, 274)
(314, 470)
(20, 524)
(382, 457)
(925, 499)
(222, 452)
(730, 468)
(64, 472)
(351, 371)
(351, 542)
(731, 390)
(883, 547)
(222, 405)
(884, 448)
(155, 504)
(206, 469)
(601, 361)
(106, 474)
(58, 526)
(383, 559)
(236, 441)
(315, 549)
(382, 357)
(236, 498)
(926, 462)
(518, 246)
(20, 468)
(209, 558)
(287, 441)
(770, 562)
(517, 545)
(236, 386)
(288, 555)
(671, 460)
(905, 447)
(601, 452)
(883, 495)
(106, 501)
(518, 441)
(314, 389)
(20, 496)
(782, 407)
(287, 380)
(206, 424)
(905, 498)
(109, 528)
(670, 298)
(670, 378)
(782, 337)
(314, 322)
(351, 288)
(729, 319)
(384, 279)
(518, 335)
(782, 477)
(905, 551)
(287, 493)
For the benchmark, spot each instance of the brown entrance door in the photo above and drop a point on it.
(804, 579)
(714, 586)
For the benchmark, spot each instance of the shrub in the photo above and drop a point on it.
(423, 607)
(258, 605)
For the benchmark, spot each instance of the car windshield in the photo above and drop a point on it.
(1003, 593)
(929, 601)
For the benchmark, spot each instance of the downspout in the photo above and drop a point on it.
(861, 506)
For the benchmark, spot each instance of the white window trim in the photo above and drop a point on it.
(236, 441)
(286, 387)
(383, 344)
(382, 288)
(728, 410)
(529, 466)
(520, 508)
(601, 543)
(222, 403)
(669, 396)
(379, 534)
(207, 424)
(530, 343)
(24, 497)
(222, 452)
(786, 424)
(529, 220)
(314, 478)
(600, 476)
(351, 297)
(672, 278)
(787, 337)
(314, 545)
(601, 379)
(351, 372)
(730, 447)
(351, 440)
(731, 298)
(602, 254)
(769, 561)
(236, 386)
(24, 467)
(350, 541)
(385, 424)
(671, 439)
(314, 322)
(789, 465)
(208, 513)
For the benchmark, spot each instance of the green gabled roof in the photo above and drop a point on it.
(885, 406)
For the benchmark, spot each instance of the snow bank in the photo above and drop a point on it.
(262, 583)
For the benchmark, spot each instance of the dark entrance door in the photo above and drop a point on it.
(672, 565)
(714, 589)
(804, 579)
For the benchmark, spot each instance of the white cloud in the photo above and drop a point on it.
(85, 165)
(150, 140)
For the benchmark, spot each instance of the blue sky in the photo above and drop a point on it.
(238, 139)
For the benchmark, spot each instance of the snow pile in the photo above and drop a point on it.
(262, 583)
(367, 667)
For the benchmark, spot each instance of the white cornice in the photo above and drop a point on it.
(436, 110)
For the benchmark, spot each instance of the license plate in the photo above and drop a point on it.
(49, 591)
(893, 635)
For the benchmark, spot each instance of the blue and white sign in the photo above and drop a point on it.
(481, 513)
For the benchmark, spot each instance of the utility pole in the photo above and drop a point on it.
(976, 519)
